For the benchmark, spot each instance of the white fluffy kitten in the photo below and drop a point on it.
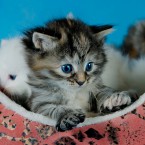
(14, 70)
(123, 73)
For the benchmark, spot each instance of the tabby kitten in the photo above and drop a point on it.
(134, 42)
(67, 58)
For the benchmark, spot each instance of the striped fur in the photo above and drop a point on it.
(57, 94)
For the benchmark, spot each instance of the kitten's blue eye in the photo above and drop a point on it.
(12, 77)
(89, 66)
(67, 68)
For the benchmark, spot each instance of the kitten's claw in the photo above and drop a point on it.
(70, 120)
(118, 101)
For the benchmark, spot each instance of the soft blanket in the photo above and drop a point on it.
(21, 127)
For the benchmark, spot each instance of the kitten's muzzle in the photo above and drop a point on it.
(80, 78)
(80, 83)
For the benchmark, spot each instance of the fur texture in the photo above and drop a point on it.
(134, 41)
(14, 70)
(67, 58)
(123, 73)
(116, 69)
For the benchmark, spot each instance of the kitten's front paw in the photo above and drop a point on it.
(118, 101)
(70, 120)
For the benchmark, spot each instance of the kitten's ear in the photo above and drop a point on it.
(101, 31)
(44, 42)
(70, 16)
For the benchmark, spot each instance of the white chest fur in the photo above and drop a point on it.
(78, 99)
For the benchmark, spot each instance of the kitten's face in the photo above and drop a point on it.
(14, 83)
(13, 69)
(72, 56)
(79, 70)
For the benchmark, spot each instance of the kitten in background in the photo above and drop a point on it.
(134, 42)
(14, 71)
(67, 58)
(117, 69)
(126, 65)
(122, 72)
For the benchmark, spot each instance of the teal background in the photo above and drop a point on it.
(18, 15)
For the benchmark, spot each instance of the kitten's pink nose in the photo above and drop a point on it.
(80, 83)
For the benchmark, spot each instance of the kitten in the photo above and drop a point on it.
(116, 70)
(123, 73)
(126, 68)
(14, 70)
(134, 42)
(67, 58)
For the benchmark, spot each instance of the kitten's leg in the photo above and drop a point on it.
(70, 119)
(112, 100)
(66, 117)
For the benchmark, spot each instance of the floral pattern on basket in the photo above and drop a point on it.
(125, 130)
